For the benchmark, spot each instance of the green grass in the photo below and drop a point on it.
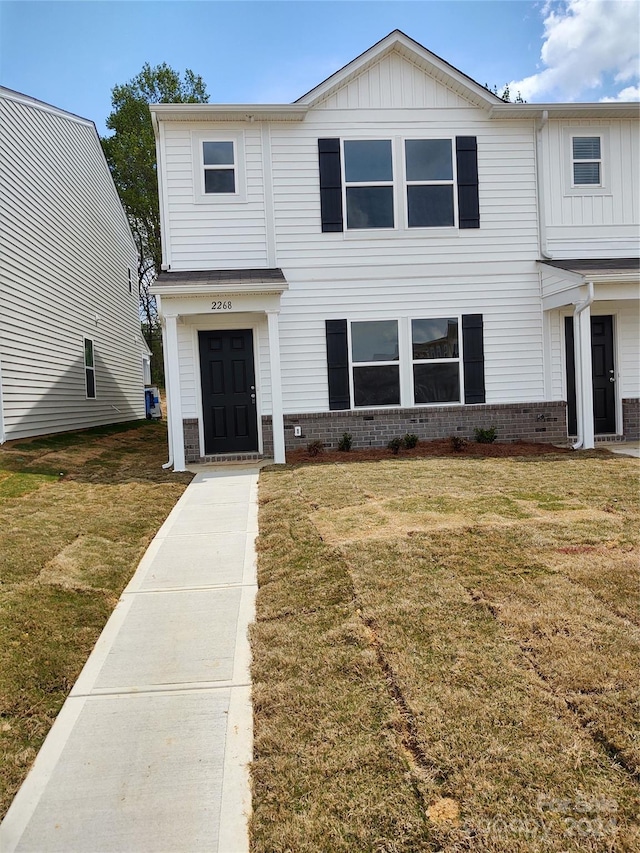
(447, 656)
(77, 512)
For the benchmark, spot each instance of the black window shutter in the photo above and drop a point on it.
(338, 364)
(473, 357)
(467, 163)
(330, 184)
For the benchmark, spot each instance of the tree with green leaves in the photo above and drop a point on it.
(131, 155)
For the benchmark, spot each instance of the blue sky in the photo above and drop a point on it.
(71, 54)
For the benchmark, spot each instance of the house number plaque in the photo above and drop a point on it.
(221, 306)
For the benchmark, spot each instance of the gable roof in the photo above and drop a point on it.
(411, 50)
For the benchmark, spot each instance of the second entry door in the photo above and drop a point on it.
(228, 391)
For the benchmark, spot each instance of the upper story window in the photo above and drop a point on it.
(398, 185)
(429, 175)
(219, 166)
(368, 175)
(587, 160)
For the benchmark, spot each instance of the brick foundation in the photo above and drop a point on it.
(545, 422)
(191, 440)
(631, 419)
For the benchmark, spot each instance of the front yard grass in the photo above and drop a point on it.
(77, 512)
(447, 656)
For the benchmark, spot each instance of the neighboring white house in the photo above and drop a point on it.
(398, 251)
(71, 352)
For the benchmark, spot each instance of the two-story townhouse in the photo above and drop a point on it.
(71, 351)
(398, 251)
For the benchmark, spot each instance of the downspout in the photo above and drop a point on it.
(578, 350)
(542, 227)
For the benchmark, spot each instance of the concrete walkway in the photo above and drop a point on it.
(150, 750)
(626, 448)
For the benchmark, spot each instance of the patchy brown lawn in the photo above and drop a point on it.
(77, 512)
(447, 655)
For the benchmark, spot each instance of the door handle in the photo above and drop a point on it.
(612, 379)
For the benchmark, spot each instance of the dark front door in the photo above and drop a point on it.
(603, 368)
(228, 391)
(604, 393)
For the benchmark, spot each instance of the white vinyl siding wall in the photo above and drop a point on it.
(220, 233)
(65, 251)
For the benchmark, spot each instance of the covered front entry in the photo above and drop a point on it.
(228, 391)
(602, 384)
(222, 362)
(603, 372)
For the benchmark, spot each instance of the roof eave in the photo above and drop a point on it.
(228, 112)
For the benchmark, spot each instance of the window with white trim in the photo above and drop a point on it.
(586, 160)
(219, 163)
(429, 183)
(219, 168)
(375, 363)
(435, 351)
(89, 369)
(368, 177)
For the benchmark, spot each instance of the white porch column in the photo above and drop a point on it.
(276, 388)
(172, 381)
(586, 379)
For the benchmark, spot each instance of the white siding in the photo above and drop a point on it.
(506, 164)
(592, 223)
(509, 300)
(393, 81)
(65, 251)
(217, 234)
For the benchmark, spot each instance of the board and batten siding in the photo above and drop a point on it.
(65, 252)
(585, 223)
(217, 233)
(393, 80)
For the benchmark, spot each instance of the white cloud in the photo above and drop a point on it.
(631, 93)
(584, 41)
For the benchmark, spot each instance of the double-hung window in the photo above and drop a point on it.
(219, 161)
(586, 160)
(430, 183)
(89, 369)
(436, 360)
(368, 175)
(375, 360)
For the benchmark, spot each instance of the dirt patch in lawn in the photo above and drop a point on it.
(446, 656)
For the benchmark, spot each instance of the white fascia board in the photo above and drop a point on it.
(223, 290)
(228, 112)
(619, 110)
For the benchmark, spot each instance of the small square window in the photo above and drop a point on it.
(430, 205)
(218, 177)
(587, 160)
